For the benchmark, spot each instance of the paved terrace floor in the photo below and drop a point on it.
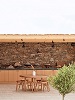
(8, 92)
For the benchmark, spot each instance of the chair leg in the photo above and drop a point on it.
(48, 88)
(16, 86)
(23, 86)
(43, 87)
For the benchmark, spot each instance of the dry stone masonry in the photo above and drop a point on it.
(36, 53)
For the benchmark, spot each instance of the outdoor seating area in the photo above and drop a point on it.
(33, 83)
(32, 67)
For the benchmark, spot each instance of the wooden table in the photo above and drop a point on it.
(33, 80)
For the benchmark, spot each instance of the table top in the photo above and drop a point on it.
(32, 76)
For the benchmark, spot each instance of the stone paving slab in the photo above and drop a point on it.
(8, 92)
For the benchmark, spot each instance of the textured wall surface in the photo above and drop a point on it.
(39, 53)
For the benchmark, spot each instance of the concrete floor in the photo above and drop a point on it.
(7, 92)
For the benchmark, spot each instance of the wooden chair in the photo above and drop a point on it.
(45, 85)
(38, 84)
(20, 84)
(28, 83)
(42, 84)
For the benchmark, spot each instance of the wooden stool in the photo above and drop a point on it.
(39, 84)
(29, 84)
(19, 84)
(45, 85)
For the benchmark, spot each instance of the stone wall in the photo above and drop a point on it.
(38, 53)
